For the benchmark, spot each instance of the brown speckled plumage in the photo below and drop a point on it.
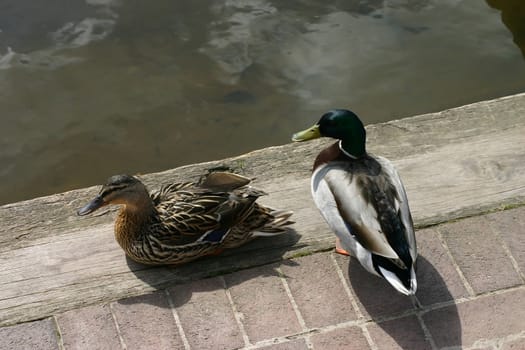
(184, 221)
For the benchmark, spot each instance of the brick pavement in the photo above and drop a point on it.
(471, 287)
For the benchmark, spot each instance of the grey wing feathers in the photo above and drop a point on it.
(403, 207)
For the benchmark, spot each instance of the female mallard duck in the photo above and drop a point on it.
(363, 201)
(184, 221)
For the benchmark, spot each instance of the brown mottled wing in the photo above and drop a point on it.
(191, 212)
(223, 181)
(169, 191)
(188, 214)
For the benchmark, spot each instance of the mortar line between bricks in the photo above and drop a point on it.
(496, 343)
(319, 330)
(509, 338)
(236, 314)
(275, 341)
(444, 304)
(364, 323)
(177, 321)
(302, 335)
(428, 308)
(426, 331)
(346, 287)
(368, 337)
(295, 307)
(462, 277)
(117, 327)
(60, 340)
(513, 261)
(353, 301)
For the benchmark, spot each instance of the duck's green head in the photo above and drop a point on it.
(339, 124)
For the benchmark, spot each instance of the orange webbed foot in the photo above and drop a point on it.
(339, 248)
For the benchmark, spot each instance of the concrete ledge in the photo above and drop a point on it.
(455, 163)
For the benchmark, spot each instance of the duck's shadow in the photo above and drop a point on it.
(259, 252)
(395, 314)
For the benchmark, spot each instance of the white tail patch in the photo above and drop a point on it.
(397, 284)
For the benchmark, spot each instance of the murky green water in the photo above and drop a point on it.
(97, 87)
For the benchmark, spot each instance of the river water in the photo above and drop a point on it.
(91, 88)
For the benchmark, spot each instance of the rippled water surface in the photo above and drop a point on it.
(97, 87)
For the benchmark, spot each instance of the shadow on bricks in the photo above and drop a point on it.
(394, 313)
(260, 251)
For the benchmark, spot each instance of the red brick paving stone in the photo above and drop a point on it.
(401, 333)
(349, 338)
(374, 296)
(297, 344)
(437, 278)
(29, 336)
(511, 228)
(207, 317)
(479, 254)
(318, 291)
(517, 344)
(89, 328)
(488, 317)
(259, 295)
(146, 322)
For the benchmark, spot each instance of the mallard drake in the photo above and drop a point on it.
(184, 221)
(362, 199)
